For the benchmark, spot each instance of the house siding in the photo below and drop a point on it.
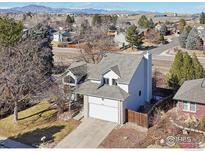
(200, 110)
(137, 84)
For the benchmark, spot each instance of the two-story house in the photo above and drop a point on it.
(118, 82)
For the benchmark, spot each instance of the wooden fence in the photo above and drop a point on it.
(140, 118)
(146, 119)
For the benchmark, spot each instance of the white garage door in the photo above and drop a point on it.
(103, 111)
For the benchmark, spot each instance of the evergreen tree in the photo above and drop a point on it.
(182, 24)
(187, 71)
(97, 20)
(143, 22)
(198, 68)
(191, 42)
(177, 65)
(162, 38)
(133, 36)
(189, 28)
(151, 23)
(69, 19)
(183, 37)
(114, 19)
(175, 73)
(10, 31)
(184, 68)
(163, 30)
(202, 18)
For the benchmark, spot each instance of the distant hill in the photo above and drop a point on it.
(40, 9)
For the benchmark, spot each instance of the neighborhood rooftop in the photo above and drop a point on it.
(78, 68)
(192, 91)
(122, 64)
(105, 91)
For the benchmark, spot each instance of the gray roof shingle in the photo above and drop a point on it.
(105, 91)
(191, 90)
(78, 68)
(123, 64)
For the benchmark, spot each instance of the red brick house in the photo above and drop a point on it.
(191, 98)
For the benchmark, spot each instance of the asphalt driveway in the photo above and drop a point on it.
(89, 134)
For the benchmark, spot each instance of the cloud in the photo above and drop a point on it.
(5, 7)
(199, 8)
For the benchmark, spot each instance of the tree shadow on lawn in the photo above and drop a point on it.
(37, 113)
(34, 137)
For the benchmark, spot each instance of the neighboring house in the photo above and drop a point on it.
(201, 32)
(158, 26)
(60, 36)
(118, 82)
(191, 98)
(120, 40)
(160, 15)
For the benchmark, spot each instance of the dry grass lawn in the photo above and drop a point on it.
(36, 122)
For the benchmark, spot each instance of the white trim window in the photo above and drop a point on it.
(189, 106)
(106, 80)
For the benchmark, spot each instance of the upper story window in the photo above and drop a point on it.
(106, 80)
(140, 93)
(114, 82)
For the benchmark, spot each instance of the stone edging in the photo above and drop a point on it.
(186, 128)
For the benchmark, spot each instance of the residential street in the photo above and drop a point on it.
(162, 48)
(89, 134)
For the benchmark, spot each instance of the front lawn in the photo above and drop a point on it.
(36, 122)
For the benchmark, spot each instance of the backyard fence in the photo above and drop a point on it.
(145, 119)
(140, 118)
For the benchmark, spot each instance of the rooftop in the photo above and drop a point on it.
(105, 91)
(122, 64)
(192, 90)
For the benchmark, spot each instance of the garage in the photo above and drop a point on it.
(104, 109)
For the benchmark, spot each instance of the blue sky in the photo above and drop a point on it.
(179, 7)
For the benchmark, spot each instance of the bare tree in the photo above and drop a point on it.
(58, 97)
(26, 68)
(96, 42)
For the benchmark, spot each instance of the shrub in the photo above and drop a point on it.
(202, 123)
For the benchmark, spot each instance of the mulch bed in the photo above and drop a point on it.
(123, 138)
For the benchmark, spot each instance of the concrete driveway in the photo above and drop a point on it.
(89, 134)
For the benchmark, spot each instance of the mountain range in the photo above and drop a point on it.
(44, 9)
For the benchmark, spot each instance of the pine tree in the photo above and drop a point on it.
(151, 23)
(97, 20)
(198, 68)
(162, 38)
(187, 71)
(191, 42)
(143, 22)
(163, 30)
(189, 28)
(182, 24)
(69, 19)
(133, 36)
(202, 18)
(175, 73)
(10, 31)
(183, 37)
(184, 68)
(177, 65)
